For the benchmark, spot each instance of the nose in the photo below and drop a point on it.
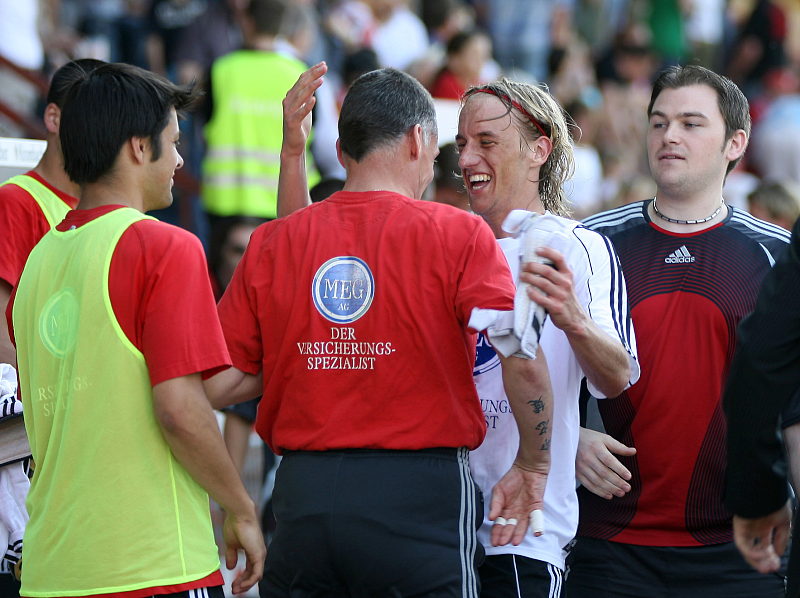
(466, 157)
(179, 165)
(671, 132)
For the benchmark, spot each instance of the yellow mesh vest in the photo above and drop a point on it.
(242, 162)
(111, 510)
(51, 204)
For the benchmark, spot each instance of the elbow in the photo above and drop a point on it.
(614, 383)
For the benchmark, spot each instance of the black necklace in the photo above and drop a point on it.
(676, 221)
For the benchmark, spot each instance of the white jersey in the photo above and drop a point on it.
(600, 289)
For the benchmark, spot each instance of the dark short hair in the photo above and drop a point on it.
(731, 101)
(106, 108)
(379, 108)
(64, 77)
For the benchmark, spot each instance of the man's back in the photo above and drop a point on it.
(369, 328)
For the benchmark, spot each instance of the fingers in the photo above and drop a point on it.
(598, 469)
(300, 98)
(511, 529)
(249, 576)
(231, 556)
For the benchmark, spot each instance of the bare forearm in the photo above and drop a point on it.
(231, 386)
(602, 358)
(292, 184)
(527, 385)
(190, 429)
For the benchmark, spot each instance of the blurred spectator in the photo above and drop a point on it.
(166, 21)
(776, 202)
(665, 18)
(759, 46)
(448, 184)
(775, 148)
(522, 31)
(21, 44)
(705, 29)
(214, 33)
(244, 131)
(399, 37)
(584, 189)
(467, 54)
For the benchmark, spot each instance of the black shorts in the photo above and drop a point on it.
(512, 576)
(375, 523)
(605, 569)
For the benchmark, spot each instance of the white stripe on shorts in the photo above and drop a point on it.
(468, 536)
(556, 580)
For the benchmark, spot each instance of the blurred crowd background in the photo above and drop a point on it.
(598, 58)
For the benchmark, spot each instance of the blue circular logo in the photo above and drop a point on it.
(485, 357)
(343, 289)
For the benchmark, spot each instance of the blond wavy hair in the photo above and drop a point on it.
(536, 113)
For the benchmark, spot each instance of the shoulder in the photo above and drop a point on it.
(160, 240)
(758, 230)
(614, 221)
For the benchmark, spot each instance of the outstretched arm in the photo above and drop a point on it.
(521, 490)
(297, 106)
(190, 429)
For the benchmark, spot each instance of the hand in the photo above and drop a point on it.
(244, 534)
(598, 469)
(762, 541)
(297, 107)
(516, 496)
(552, 288)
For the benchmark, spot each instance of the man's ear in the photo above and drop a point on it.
(139, 148)
(541, 148)
(52, 118)
(736, 145)
(415, 141)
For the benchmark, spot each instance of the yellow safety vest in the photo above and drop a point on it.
(243, 137)
(111, 510)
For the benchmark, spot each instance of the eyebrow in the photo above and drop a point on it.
(479, 134)
(679, 115)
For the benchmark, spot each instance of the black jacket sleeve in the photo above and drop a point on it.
(764, 377)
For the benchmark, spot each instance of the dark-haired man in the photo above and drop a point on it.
(32, 203)
(654, 523)
(359, 312)
(114, 323)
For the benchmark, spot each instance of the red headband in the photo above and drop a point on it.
(516, 105)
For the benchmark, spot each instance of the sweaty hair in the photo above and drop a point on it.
(380, 107)
(64, 77)
(109, 106)
(730, 99)
(542, 116)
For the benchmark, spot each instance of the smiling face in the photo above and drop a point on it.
(686, 145)
(161, 171)
(497, 165)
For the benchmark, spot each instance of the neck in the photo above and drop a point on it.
(687, 215)
(109, 191)
(51, 169)
(376, 174)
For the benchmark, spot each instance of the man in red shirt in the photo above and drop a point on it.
(359, 312)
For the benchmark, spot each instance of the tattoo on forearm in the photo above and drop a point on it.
(542, 427)
(546, 445)
(537, 405)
